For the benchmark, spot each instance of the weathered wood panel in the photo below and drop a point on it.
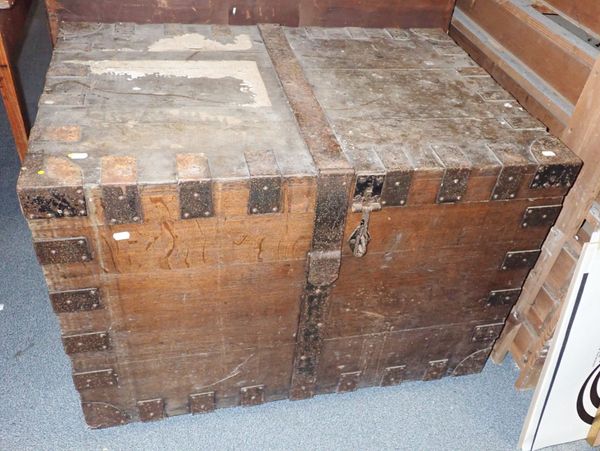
(324, 13)
(12, 29)
(520, 336)
(584, 12)
(232, 215)
(532, 91)
(535, 40)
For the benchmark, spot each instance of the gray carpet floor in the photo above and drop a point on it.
(39, 407)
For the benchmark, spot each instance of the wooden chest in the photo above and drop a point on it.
(232, 215)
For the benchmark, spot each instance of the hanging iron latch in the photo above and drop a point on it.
(367, 198)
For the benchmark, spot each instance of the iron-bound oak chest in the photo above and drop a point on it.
(233, 215)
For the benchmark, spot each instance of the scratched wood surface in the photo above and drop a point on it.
(407, 96)
(192, 191)
(325, 13)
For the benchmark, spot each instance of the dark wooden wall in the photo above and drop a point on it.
(326, 13)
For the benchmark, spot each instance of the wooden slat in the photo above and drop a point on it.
(583, 137)
(324, 13)
(593, 437)
(526, 86)
(12, 29)
(561, 59)
(585, 12)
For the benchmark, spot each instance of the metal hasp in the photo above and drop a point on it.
(503, 297)
(348, 382)
(202, 402)
(543, 216)
(555, 176)
(487, 332)
(252, 396)
(122, 205)
(396, 188)
(63, 250)
(508, 183)
(436, 370)
(100, 415)
(196, 199)
(55, 202)
(76, 300)
(151, 409)
(367, 191)
(393, 375)
(520, 259)
(92, 342)
(95, 379)
(265, 183)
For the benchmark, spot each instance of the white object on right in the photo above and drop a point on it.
(567, 396)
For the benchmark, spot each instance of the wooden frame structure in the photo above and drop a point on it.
(549, 68)
(556, 76)
(323, 13)
(12, 28)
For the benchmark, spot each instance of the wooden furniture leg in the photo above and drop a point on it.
(13, 102)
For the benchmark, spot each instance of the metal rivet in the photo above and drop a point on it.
(495, 196)
(69, 301)
(397, 183)
(455, 181)
(265, 188)
(274, 209)
(402, 202)
(544, 216)
(512, 196)
(383, 202)
(49, 215)
(254, 210)
(84, 257)
(121, 197)
(82, 212)
(113, 220)
(81, 201)
(79, 191)
(458, 197)
(186, 215)
(53, 251)
(511, 178)
(504, 267)
(196, 195)
(441, 198)
(94, 305)
(524, 224)
(136, 218)
(81, 241)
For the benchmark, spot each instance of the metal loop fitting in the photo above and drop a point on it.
(360, 237)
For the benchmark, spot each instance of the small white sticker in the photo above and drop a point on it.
(136, 88)
(548, 153)
(1, 307)
(77, 155)
(508, 105)
(233, 11)
(120, 236)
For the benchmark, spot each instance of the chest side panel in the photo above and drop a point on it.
(446, 195)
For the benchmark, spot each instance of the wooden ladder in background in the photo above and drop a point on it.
(534, 317)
